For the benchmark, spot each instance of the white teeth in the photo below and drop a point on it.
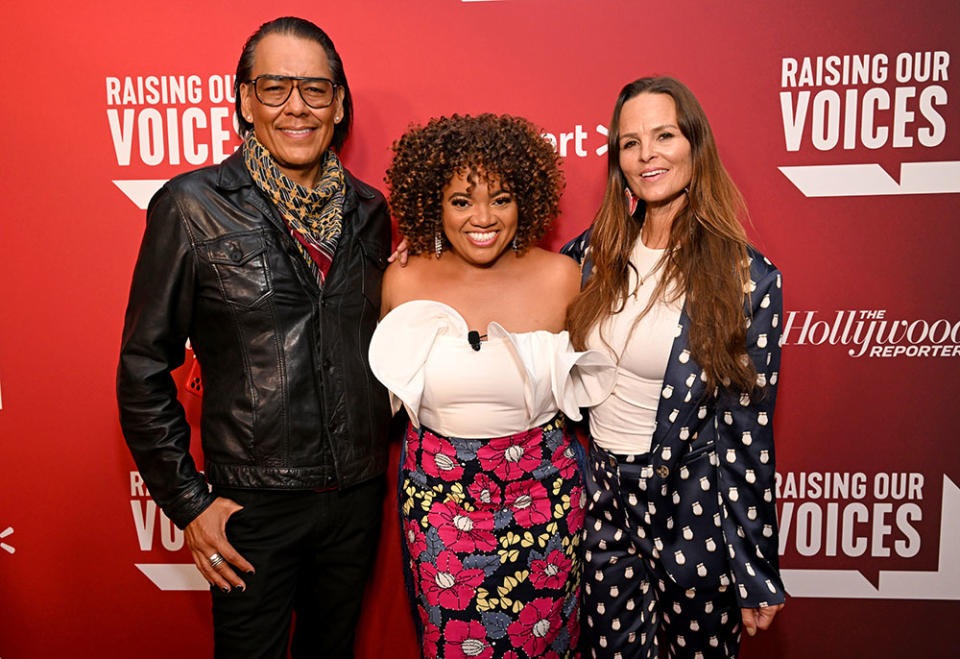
(481, 237)
(653, 173)
(301, 131)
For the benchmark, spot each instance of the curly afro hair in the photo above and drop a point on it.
(503, 147)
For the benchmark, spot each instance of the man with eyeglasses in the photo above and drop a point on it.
(270, 263)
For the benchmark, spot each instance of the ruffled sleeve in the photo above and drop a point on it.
(576, 379)
(401, 344)
(581, 379)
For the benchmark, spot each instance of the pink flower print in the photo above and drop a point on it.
(431, 634)
(577, 510)
(510, 457)
(462, 531)
(564, 459)
(466, 640)
(447, 584)
(413, 445)
(551, 572)
(536, 626)
(485, 492)
(529, 502)
(415, 538)
(439, 458)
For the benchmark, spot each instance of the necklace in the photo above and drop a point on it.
(656, 264)
(642, 278)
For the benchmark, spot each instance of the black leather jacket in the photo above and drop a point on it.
(289, 401)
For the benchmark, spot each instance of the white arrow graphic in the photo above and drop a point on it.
(871, 179)
(174, 576)
(603, 131)
(140, 191)
(4, 546)
(944, 584)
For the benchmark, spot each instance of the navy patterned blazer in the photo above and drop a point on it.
(710, 482)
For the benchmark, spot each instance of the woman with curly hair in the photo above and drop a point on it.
(472, 345)
(681, 536)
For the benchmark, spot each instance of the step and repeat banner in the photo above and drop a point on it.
(838, 119)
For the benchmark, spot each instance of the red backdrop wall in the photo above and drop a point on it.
(839, 120)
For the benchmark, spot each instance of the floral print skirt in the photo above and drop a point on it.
(491, 529)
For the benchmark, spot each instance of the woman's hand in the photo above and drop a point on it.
(212, 553)
(401, 253)
(758, 618)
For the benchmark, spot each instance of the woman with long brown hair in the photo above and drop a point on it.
(681, 533)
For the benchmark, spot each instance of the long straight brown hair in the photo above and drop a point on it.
(706, 255)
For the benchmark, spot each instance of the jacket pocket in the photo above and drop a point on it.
(698, 452)
(241, 266)
(374, 263)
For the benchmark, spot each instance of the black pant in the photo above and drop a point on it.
(629, 597)
(312, 552)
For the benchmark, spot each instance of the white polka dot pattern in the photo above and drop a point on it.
(699, 507)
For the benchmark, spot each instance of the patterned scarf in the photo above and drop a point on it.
(314, 217)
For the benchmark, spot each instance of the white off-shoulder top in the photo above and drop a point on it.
(515, 382)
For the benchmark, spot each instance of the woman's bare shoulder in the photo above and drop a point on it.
(414, 269)
(404, 282)
(559, 268)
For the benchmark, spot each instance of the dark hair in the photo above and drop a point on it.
(706, 256)
(507, 148)
(304, 29)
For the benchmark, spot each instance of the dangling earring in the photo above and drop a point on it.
(516, 247)
(437, 244)
(632, 201)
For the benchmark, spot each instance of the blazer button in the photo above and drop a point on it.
(663, 471)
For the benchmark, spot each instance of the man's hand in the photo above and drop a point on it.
(759, 618)
(207, 538)
(401, 253)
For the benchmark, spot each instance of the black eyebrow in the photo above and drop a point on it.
(655, 129)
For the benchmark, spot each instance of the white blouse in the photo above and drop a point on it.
(624, 423)
(516, 381)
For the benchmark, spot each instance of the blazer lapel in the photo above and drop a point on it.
(681, 397)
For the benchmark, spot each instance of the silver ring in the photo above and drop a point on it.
(215, 560)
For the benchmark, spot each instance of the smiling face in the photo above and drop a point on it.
(296, 135)
(655, 157)
(479, 220)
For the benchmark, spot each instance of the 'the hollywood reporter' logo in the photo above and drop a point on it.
(873, 333)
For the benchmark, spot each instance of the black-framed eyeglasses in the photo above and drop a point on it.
(274, 90)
